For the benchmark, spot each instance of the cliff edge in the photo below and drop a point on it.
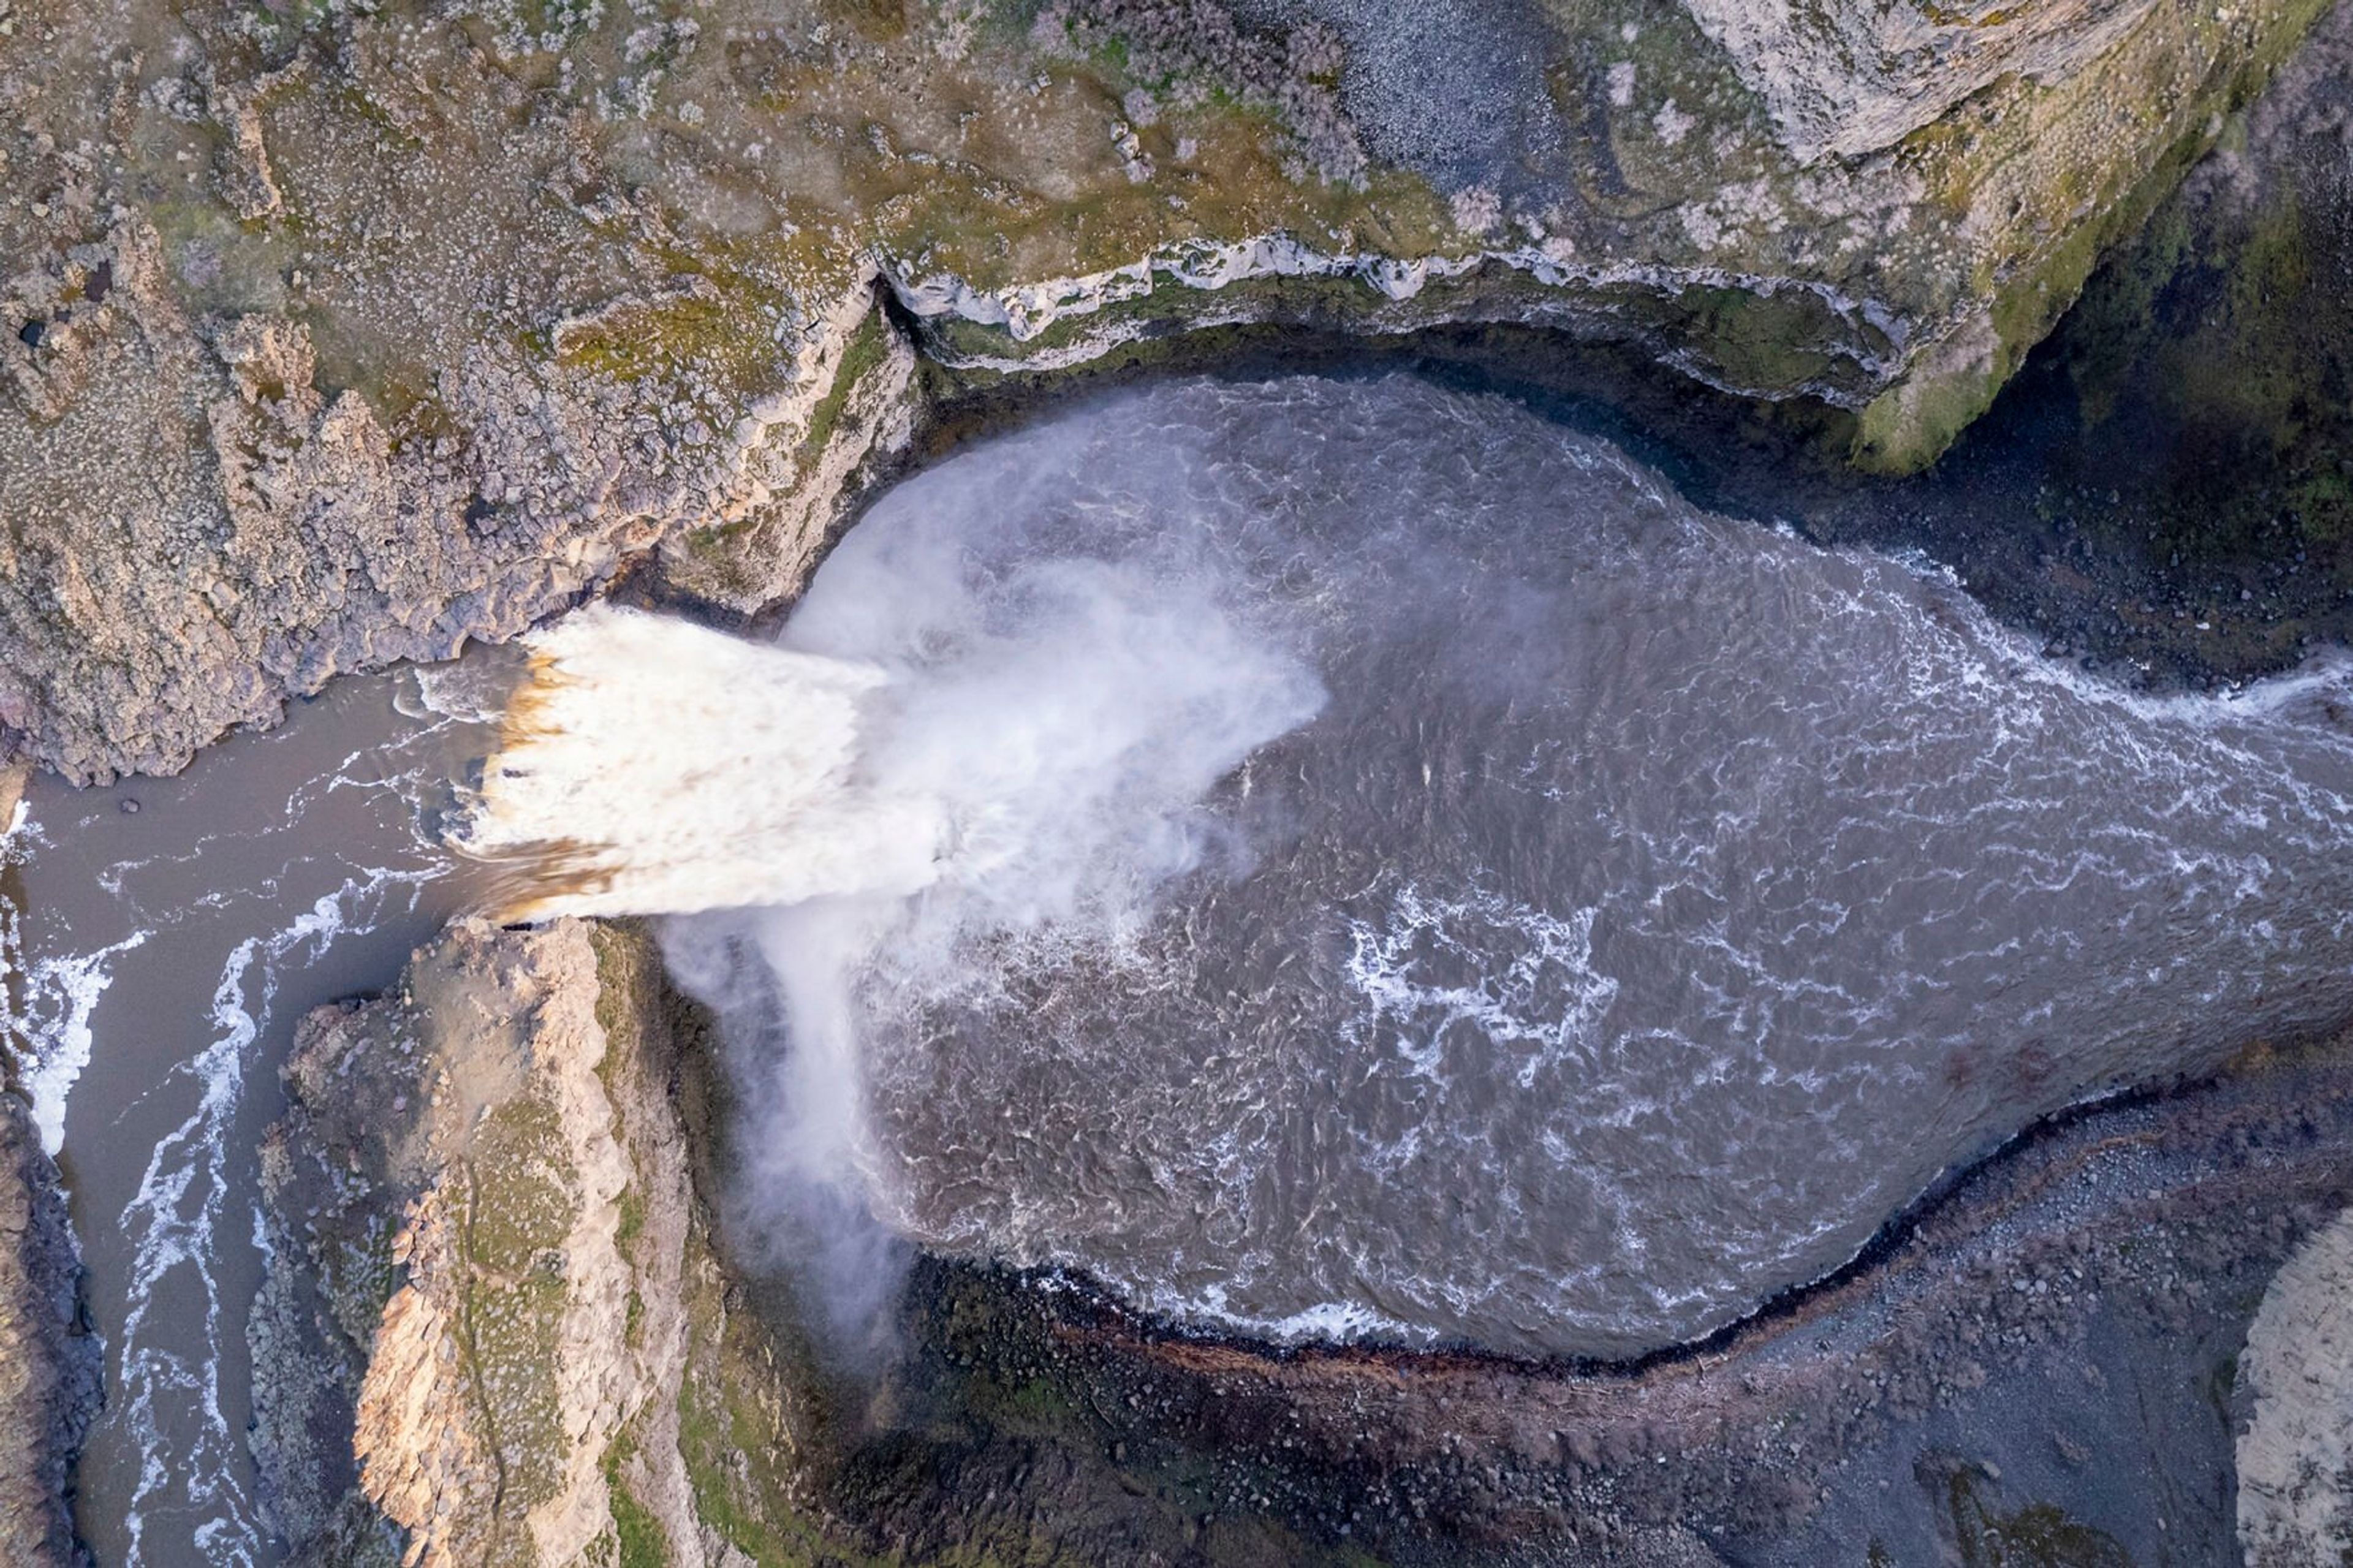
(49, 1363)
(335, 334)
(473, 1346)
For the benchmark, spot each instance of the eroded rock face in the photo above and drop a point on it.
(473, 1340)
(1850, 81)
(49, 1366)
(339, 334)
(2213, 359)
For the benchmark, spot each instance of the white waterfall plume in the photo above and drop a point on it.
(651, 764)
(955, 746)
(1039, 739)
(1042, 925)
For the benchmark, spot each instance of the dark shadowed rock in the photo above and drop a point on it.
(48, 1363)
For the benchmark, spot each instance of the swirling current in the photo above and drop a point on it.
(1323, 857)
(1591, 915)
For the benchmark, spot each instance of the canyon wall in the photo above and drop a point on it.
(342, 333)
(48, 1363)
(338, 334)
(493, 1331)
(49, 1360)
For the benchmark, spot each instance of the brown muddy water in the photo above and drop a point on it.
(1363, 862)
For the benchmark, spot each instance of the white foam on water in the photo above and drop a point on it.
(60, 994)
(171, 1401)
(47, 1013)
(1329, 1322)
(472, 690)
(1002, 762)
(1525, 978)
(1814, 880)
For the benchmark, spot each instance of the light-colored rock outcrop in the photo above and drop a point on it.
(2295, 1458)
(340, 335)
(212, 531)
(1844, 81)
(482, 1230)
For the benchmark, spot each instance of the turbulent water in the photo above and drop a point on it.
(1324, 857)
(1350, 857)
(154, 977)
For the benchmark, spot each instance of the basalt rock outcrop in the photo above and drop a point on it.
(341, 332)
(49, 1362)
(2214, 358)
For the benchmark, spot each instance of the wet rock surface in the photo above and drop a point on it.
(2164, 490)
(335, 338)
(48, 1363)
(2042, 1368)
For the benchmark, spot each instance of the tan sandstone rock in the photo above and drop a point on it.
(474, 1345)
(484, 1359)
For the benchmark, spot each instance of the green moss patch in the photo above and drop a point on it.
(637, 1533)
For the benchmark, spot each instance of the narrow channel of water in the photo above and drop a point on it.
(174, 932)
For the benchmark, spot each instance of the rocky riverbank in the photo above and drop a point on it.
(497, 1331)
(49, 1360)
(2157, 493)
(341, 334)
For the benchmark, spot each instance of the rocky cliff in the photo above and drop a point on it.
(2214, 358)
(493, 1319)
(49, 1363)
(2297, 1453)
(338, 332)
